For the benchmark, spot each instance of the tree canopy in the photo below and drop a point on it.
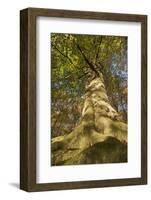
(75, 61)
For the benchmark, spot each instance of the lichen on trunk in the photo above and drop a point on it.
(99, 137)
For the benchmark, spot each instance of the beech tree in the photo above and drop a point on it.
(89, 99)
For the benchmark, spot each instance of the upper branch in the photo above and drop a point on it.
(98, 50)
(86, 60)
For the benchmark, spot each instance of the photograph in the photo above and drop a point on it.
(89, 99)
(83, 99)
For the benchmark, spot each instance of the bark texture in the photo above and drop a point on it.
(100, 136)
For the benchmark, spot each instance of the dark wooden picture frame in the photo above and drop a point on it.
(28, 99)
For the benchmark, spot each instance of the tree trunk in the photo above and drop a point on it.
(100, 136)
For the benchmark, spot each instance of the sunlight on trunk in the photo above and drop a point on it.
(99, 127)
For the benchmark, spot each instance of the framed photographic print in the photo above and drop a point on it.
(83, 99)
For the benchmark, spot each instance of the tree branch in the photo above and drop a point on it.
(86, 60)
(98, 50)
